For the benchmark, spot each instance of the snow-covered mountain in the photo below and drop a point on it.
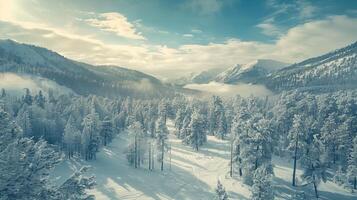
(334, 70)
(199, 78)
(80, 77)
(251, 72)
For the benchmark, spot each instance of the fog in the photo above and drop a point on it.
(227, 90)
(15, 84)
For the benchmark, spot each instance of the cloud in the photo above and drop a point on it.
(205, 7)
(303, 41)
(300, 10)
(221, 89)
(196, 31)
(116, 23)
(269, 28)
(187, 35)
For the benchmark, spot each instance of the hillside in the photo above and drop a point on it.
(82, 78)
(251, 72)
(334, 70)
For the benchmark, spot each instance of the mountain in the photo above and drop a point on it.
(206, 76)
(80, 77)
(199, 78)
(251, 72)
(334, 70)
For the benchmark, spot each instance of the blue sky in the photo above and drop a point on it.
(163, 37)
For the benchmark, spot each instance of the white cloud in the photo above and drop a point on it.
(196, 31)
(116, 23)
(187, 35)
(269, 28)
(309, 39)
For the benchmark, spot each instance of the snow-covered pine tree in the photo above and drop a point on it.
(23, 120)
(314, 167)
(40, 99)
(329, 137)
(136, 148)
(221, 193)
(27, 98)
(197, 134)
(352, 166)
(90, 135)
(74, 188)
(297, 142)
(70, 136)
(262, 184)
(106, 131)
(161, 138)
(217, 119)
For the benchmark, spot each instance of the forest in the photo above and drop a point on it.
(40, 130)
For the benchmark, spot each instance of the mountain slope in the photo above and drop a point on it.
(199, 78)
(80, 77)
(251, 72)
(337, 69)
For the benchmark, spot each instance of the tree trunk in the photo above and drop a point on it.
(295, 158)
(135, 153)
(256, 160)
(231, 170)
(149, 156)
(355, 183)
(162, 155)
(315, 188)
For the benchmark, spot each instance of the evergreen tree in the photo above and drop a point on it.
(135, 149)
(161, 138)
(297, 142)
(197, 134)
(27, 98)
(40, 100)
(221, 193)
(218, 121)
(314, 168)
(24, 121)
(70, 137)
(107, 131)
(262, 185)
(352, 166)
(90, 135)
(74, 188)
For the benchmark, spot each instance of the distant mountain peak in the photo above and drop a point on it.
(251, 71)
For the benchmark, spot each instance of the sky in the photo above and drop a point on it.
(173, 38)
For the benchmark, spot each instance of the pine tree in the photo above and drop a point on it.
(218, 121)
(262, 185)
(74, 188)
(297, 142)
(27, 98)
(329, 137)
(314, 168)
(161, 138)
(70, 137)
(197, 135)
(352, 166)
(107, 131)
(90, 135)
(221, 193)
(24, 121)
(40, 100)
(136, 146)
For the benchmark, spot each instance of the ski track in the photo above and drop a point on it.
(193, 175)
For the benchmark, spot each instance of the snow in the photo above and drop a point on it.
(193, 175)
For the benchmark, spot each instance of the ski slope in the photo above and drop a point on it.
(193, 175)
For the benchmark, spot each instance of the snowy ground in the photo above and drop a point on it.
(193, 175)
